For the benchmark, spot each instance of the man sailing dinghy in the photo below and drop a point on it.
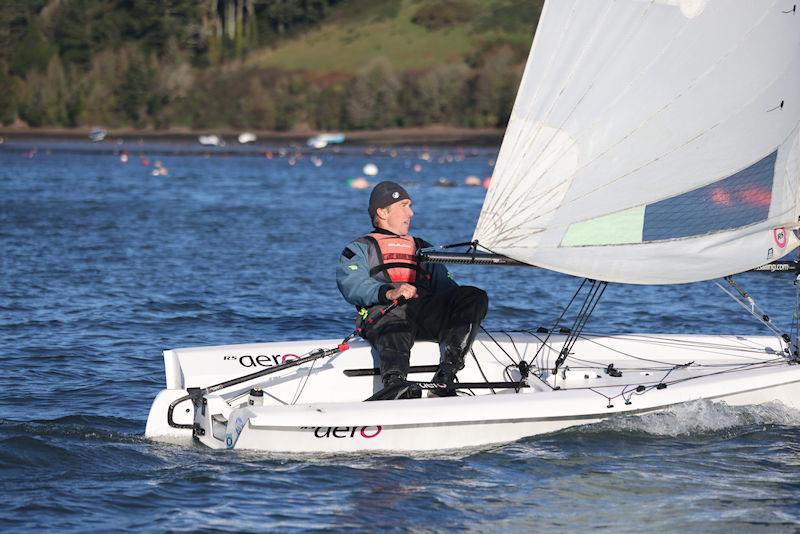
(383, 266)
(644, 131)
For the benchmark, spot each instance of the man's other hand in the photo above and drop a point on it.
(404, 290)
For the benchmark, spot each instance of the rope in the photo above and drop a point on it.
(481, 370)
(754, 309)
(796, 319)
(641, 389)
(301, 386)
(498, 345)
(550, 332)
(589, 304)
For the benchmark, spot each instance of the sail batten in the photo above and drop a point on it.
(654, 130)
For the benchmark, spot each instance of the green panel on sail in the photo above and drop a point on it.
(623, 227)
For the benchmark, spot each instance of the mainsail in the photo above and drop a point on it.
(652, 141)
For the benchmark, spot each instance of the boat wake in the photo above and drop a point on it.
(83, 427)
(68, 445)
(700, 417)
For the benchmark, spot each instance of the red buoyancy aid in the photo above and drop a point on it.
(399, 257)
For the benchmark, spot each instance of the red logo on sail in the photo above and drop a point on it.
(780, 237)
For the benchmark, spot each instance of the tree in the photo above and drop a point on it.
(8, 100)
(16, 17)
(288, 94)
(105, 75)
(44, 101)
(153, 23)
(282, 13)
(132, 94)
(32, 52)
(230, 27)
(277, 19)
(55, 94)
(259, 107)
(329, 104)
(174, 80)
(372, 98)
(31, 105)
(443, 13)
(435, 96)
(494, 88)
(71, 32)
(76, 97)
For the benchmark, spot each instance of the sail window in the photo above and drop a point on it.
(738, 200)
(735, 201)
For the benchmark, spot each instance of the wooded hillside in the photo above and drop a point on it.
(262, 64)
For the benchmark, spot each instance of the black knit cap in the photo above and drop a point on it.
(385, 194)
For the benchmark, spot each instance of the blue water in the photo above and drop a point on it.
(104, 265)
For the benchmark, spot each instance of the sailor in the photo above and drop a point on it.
(381, 267)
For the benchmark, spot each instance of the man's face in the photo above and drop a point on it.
(397, 217)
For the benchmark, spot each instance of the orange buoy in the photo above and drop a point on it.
(358, 183)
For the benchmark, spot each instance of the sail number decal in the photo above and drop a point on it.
(344, 432)
(261, 360)
(780, 237)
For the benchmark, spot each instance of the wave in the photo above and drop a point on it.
(699, 418)
(85, 427)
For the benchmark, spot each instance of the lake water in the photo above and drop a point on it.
(104, 265)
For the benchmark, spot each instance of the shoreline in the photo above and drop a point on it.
(488, 137)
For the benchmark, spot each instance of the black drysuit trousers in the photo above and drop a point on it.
(451, 317)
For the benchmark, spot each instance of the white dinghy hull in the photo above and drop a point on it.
(319, 406)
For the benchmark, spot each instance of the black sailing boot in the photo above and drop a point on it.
(456, 345)
(396, 387)
(392, 379)
(445, 374)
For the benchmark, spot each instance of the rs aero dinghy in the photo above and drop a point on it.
(659, 131)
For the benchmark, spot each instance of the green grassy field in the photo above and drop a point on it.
(363, 32)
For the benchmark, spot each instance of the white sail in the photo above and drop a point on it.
(652, 141)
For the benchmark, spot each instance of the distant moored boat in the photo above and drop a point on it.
(97, 134)
(247, 137)
(325, 139)
(211, 140)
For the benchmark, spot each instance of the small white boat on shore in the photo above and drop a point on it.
(246, 138)
(211, 140)
(324, 139)
(97, 134)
